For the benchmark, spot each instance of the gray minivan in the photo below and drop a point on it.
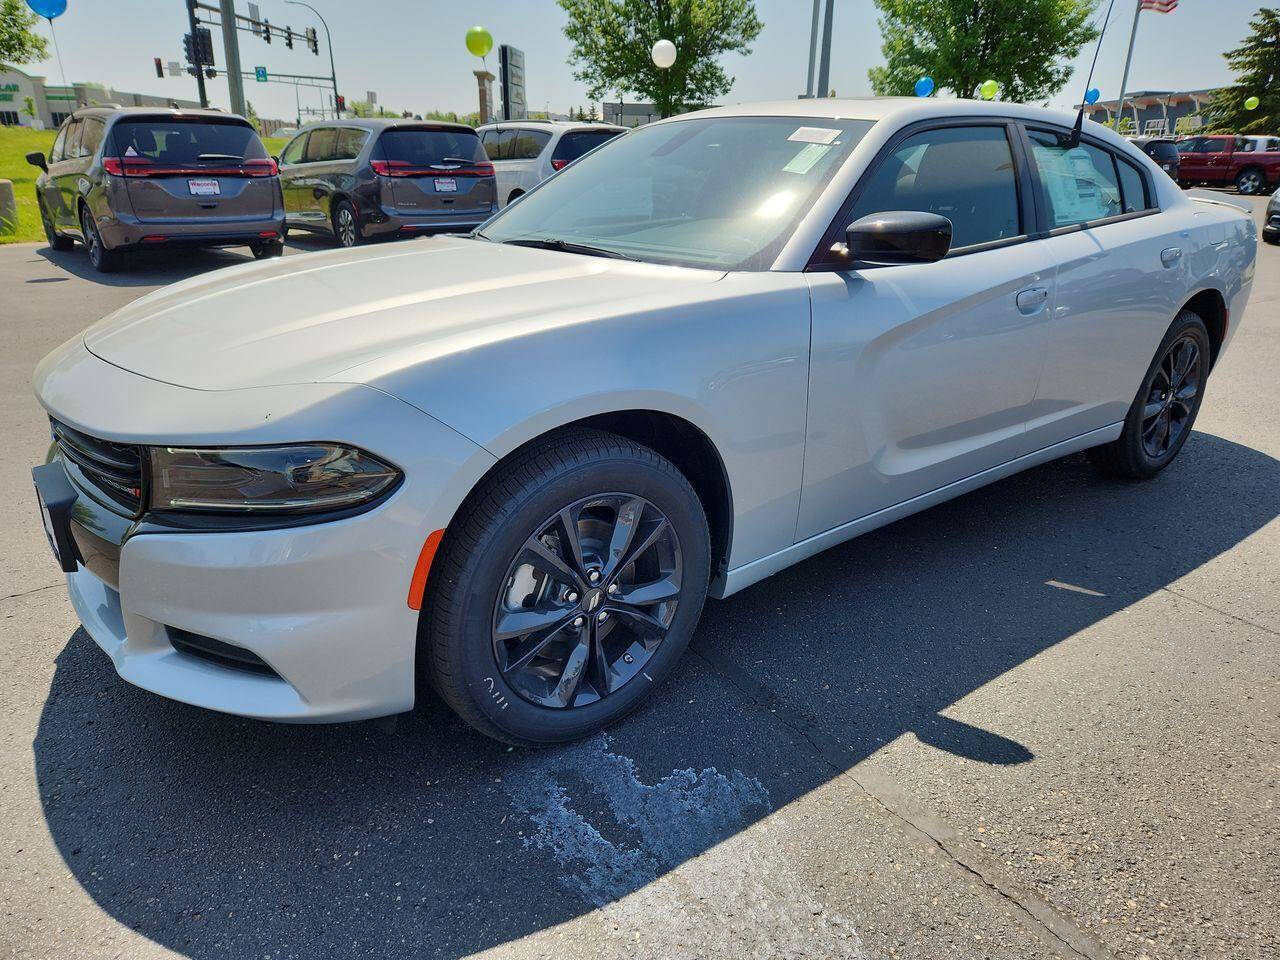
(365, 179)
(122, 179)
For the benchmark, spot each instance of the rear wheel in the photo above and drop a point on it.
(1251, 181)
(100, 258)
(515, 195)
(56, 240)
(1162, 414)
(568, 591)
(346, 225)
(264, 251)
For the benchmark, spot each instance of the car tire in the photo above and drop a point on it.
(346, 225)
(55, 240)
(100, 258)
(1164, 411)
(1251, 182)
(607, 484)
(265, 251)
(515, 195)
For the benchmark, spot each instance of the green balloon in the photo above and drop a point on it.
(989, 89)
(479, 41)
(1252, 103)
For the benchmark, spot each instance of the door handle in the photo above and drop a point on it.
(1032, 299)
(1170, 256)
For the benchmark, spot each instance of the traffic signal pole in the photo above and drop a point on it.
(231, 44)
(333, 71)
(195, 26)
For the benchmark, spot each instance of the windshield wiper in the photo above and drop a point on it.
(220, 157)
(566, 246)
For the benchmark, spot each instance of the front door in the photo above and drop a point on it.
(923, 375)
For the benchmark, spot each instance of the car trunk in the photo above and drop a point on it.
(179, 170)
(439, 171)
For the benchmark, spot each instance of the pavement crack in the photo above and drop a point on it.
(925, 827)
(1226, 613)
(27, 593)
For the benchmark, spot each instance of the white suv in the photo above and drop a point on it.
(526, 152)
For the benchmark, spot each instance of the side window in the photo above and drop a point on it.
(527, 144)
(350, 143)
(321, 145)
(293, 151)
(1245, 145)
(1133, 186)
(91, 137)
(965, 174)
(1079, 183)
(1215, 145)
(1190, 146)
(71, 149)
(59, 145)
(498, 143)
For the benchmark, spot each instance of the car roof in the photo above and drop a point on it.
(383, 123)
(126, 112)
(552, 124)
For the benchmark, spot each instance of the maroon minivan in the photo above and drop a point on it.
(122, 179)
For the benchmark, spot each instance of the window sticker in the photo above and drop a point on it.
(1072, 183)
(824, 135)
(804, 161)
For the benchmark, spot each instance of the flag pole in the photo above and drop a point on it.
(1124, 81)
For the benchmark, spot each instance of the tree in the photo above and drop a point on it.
(593, 116)
(18, 42)
(1256, 64)
(612, 39)
(1024, 45)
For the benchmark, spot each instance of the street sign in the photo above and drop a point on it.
(175, 68)
(255, 20)
(260, 74)
(511, 67)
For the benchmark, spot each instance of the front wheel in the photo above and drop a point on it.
(56, 240)
(1165, 408)
(568, 591)
(1250, 182)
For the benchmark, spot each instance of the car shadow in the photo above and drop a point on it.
(148, 268)
(222, 838)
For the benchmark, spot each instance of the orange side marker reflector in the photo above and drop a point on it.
(418, 585)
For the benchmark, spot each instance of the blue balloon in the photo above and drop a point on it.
(924, 86)
(1092, 96)
(48, 8)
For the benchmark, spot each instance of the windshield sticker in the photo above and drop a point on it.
(804, 161)
(814, 135)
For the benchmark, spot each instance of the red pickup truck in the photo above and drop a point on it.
(1228, 159)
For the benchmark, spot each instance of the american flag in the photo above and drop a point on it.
(1159, 6)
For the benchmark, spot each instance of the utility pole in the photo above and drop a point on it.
(824, 67)
(231, 44)
(191, 19)
(813, 50)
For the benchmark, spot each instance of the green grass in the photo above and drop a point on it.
(15, 144)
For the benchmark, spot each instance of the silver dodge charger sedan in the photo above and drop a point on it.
(512, 465)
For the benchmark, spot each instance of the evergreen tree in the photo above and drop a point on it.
(1256, 64)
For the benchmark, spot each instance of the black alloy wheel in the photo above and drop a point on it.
(587, 601)
(1171, 400)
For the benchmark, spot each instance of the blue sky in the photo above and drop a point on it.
(411, 52)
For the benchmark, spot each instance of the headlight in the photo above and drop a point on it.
(299, 478)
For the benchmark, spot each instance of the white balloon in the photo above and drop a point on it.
(663, 54)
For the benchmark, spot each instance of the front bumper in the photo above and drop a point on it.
(323, 605)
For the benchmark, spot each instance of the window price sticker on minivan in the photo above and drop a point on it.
(204, 188)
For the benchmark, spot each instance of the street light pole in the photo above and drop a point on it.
(333, 72)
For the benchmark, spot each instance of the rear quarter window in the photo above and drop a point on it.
(577, 142)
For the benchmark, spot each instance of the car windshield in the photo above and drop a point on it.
(718, 192)
(183, 142)
(420, 147)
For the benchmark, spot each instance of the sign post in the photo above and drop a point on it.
(511, 67)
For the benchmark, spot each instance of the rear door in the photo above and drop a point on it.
(436, 171)
(194, 169)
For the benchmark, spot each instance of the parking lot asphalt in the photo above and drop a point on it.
(1042, 720)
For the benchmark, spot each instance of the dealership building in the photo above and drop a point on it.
(1156, 113)
(27, 101)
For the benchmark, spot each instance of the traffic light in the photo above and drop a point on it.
(288, 37)
(189, 48)
(198, 49)
(159, 67)
(266, 30)
(313, 41)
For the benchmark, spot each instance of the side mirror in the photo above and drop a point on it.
(36, 159)
(896, 237)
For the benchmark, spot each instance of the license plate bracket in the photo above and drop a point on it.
(446, 185)
(204, 188)
(57, 497)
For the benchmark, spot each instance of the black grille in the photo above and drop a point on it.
(113, 469)
(219, 652)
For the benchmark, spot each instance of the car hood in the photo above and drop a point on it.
(309, 318)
